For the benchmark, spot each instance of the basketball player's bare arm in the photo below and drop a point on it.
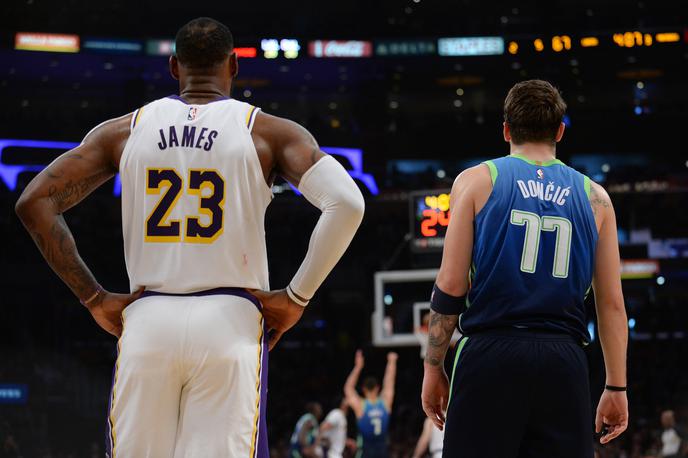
(469, 194)
(352, 397)
(290, 151)
(284, 148)
(389, 380)
(59, 187)
(611, 315)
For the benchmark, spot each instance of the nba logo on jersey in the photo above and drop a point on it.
(540, 173)
(193, 111)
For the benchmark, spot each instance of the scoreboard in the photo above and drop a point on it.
(429, 218)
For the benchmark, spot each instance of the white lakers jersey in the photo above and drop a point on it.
(193, 198)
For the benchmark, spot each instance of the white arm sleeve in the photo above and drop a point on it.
(329, 187)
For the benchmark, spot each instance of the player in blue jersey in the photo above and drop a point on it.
(303, 442)
(528, 236)
(373, 409)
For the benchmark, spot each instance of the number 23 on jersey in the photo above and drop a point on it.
(159, 228)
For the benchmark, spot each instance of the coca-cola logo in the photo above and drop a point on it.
(334, 48)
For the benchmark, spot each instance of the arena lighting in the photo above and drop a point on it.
(50, 42)
(340, 48)
(290, 47)
(13, 393)
(10, 172)
(538, 45)
(667, 37)
(589, 42)
(271, 47)
(355, 158)
(246, 52)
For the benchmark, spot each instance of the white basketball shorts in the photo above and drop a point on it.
(191, 378)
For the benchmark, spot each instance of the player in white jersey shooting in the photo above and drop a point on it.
(196, 171)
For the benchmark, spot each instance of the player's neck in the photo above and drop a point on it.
(199, 89)
(540, 152)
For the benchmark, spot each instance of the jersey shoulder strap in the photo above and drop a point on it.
(494, 173)
(245, 113)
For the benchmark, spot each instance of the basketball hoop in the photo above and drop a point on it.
(421, 333)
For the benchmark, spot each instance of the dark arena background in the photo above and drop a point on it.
(406, 94)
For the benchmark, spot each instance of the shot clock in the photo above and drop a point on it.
(429, 218)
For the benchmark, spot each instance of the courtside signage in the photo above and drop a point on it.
(51, 42)
(160, 47)
(338, 48)
(470, 46)
(112, 46)
(405, 48)
(246, 52)
(639, 268)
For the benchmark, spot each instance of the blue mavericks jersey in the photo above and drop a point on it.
(533, 250)
(373, 424)
(295, 445)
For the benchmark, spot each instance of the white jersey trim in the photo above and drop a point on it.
(252, 114)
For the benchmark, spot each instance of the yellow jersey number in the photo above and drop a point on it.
(159, 228)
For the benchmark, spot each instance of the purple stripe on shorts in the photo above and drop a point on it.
(263, 449)
(212, 292)
(108, 432)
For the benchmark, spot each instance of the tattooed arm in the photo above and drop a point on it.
(59, 187)
(599, 201)
(440, 331)
(435, 393)
(469, 194)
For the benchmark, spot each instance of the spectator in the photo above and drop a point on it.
(671, 438)
(9, 448)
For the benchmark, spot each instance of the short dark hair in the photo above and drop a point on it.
(370, 383)
(203, 43)
(533, 110)
(313, 407)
